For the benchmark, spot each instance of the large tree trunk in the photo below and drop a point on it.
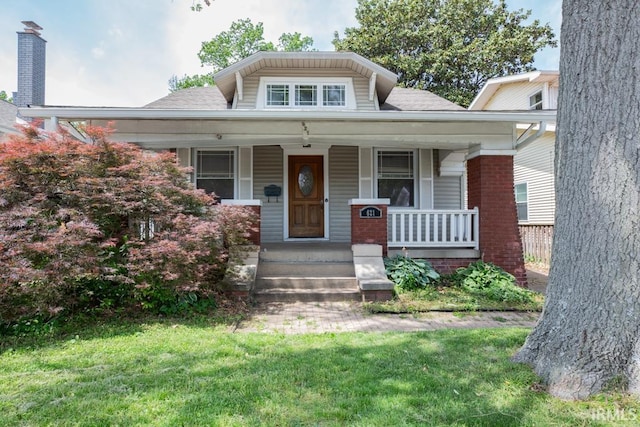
(589, 331)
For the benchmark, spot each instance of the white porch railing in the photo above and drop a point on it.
(433, 228)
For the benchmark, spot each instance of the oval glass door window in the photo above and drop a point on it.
(305, 180)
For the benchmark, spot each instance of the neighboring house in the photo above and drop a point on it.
(533, 162)
(324, 146)
(8, 122)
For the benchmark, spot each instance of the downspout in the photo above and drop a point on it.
(525, 139)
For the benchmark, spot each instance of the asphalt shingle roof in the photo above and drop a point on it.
(404, 99)
(194, 98)
(8, 112)
(210, 98)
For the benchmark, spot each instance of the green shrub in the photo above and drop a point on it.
(491, 281)
(409, 274)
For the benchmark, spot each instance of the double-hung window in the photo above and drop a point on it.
(535, 101)
(396, 177)
(522, 204)
(215, 172)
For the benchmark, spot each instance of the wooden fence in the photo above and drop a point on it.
(536, 242)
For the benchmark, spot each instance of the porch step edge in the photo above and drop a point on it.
(312, 295)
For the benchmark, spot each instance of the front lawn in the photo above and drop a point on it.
(169, 374)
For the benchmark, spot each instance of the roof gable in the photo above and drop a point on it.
(492, 85)
(226, 79)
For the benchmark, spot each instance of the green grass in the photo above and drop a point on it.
(172, 374)
(449, 298)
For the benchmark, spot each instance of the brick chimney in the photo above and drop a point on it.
(31, 66)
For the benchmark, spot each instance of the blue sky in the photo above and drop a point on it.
(123, 52)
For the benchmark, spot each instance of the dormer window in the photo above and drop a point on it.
(535, 101)
(303, 93)
(333, 95)
(306, 95)
(277, 95)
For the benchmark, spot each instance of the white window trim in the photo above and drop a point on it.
(350, 95)
(235, 166)
(542, 101)
(416, 175)
(516, 199)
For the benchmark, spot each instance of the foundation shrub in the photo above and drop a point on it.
(488, 280)
(103, 225)
(410, 274)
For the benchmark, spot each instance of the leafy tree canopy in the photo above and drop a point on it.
(197, 80)
(449, 47)
(243, 39)
(5, 97)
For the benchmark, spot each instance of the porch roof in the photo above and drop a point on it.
(133, 113)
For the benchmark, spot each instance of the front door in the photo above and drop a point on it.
(306, 196)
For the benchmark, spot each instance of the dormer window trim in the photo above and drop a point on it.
(306, 93)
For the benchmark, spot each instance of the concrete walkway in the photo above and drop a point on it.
(300, 318)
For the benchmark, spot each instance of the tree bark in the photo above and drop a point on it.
(588, 334)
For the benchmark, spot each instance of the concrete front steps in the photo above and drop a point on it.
(306, 272)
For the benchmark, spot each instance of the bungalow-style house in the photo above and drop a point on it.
(533, 161)
(328, 151)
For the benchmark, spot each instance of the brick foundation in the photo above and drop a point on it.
(449, 265)
(254, 234)
(490, 188)
(369, 230)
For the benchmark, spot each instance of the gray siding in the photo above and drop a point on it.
(251, 83)
(267, 169)
(343, 185)
(534, 165)
(447, 192)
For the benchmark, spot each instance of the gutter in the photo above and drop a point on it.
(527, 138)
(88, 113)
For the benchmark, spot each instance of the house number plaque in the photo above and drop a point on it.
(370, 212)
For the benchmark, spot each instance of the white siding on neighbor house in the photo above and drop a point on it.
(267, 170)
(534, 165)
(447, 192)
(513, 96)
(251, 83)
(343, 185)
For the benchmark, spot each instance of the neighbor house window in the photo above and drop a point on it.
(278, 95)
(306, 92)
(215, 172)
(521, 201)
(396, 177)
(535, 101)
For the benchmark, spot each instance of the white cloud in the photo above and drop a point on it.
(97, 52)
